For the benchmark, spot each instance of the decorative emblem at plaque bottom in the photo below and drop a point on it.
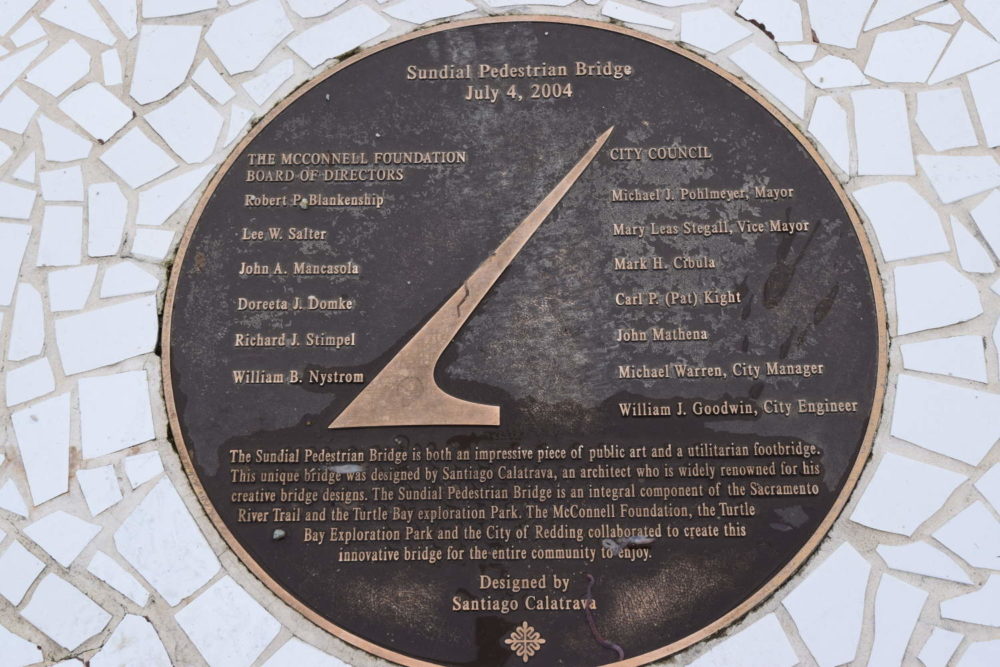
(525, 641)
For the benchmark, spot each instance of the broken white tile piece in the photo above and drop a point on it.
(134, 642)
(96, 110)
(20, 652)
(338, 35)
(80, 17)
(26, 172)
(165, 55)
(897, 608)
(243, 37)
(838, 23)
(633, 15)
(16, 201)
(957, 356)
(950, 420)
(61, 240)
(13, 65)
(105, 336)
(905, 224)
(882, 130)
(781, 18)
(933, 295)
(11, 500)
(115, 413)
(100, 488)
(27, 334)
(956, 177)
(5, 152)
(159, 202)
(29, 31)
(143, 467)
(238, 117)
(62, 69)
(987, 13)
(62, 184)
(834, 72)
(154, 9)
(903, 494)
(69, 288)
(152, 243)
(422, 11)
(970, 48)
(61, 144)
(987, 217)
(43, 440)
(63, 613)
(136, 159)
(944, 15)
(29, 381)
(829, 125)
(123, 13)
(16, 111)
(227, 625)
(981, 654)
(985, 86)
(981, 607)
(828, 606)
(974, 535)
(18, 570)
(906, 56)
(788, 87)
(62, 535)
(110, 572)
(944, 119)
(111, 65)
(297, 652)
(887, 11)
(162, 542)
(941, 645)
(712, 29)
(263, 86)
(13, 241)
(989, 486)
(189, 125)
(799, 53)
(761, 643)
(921, 558)
(212, 82)
(313, 8)
(107, 209)
(127, 278)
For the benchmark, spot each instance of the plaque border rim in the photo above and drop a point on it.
(761, 594)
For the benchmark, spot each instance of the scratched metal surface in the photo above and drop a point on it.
(541, 345)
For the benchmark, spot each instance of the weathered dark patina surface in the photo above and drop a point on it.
(548, 345)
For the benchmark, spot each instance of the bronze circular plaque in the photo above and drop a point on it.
(524, 341)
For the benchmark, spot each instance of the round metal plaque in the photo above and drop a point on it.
(524, 341)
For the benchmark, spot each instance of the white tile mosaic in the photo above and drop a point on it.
(761, 643)
(42, 434)
(62, 535)
(81, 18)
(123, 13)
(897, 608)
(27, 335)
(972, 256)
(886, 11)
(906, 225)
(61, 239)
(969, 48)
(69, 288)
(60, 70)
(945, 418)
(882, 133)
(939, 648)
(11, 499)
(906, 55)
(422, 11)
(981, 607)
(957, 356)
(313, 8)
(105, 336)
(227, 625)
(944, 119)
(243, 37)
(828, 606)
(29, 381)
(136, 159)
(107, 210)
(781, 18)
(189, 124)
(61, 144)
(96, 110)
(100, 488)
(989, 486)
(985, 86)
(903, 494)
(787, 86)
(115, 413)
(635, 16)
(922, 558)
(987, 217)
(18, 571)
(143, 467)
(838, 23)
(65, 614)
(829, 125)
(956, 177)
(133, 642)
(158, 202)
(107, 569)
(933, 295)
(833, 72)
(162, 542)
(338, 35)
(127, 278)
(164, 58)
(297, 652)
(981, 654)
(974, 535)
(261, 87)
(17, 651)
(17, 109)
